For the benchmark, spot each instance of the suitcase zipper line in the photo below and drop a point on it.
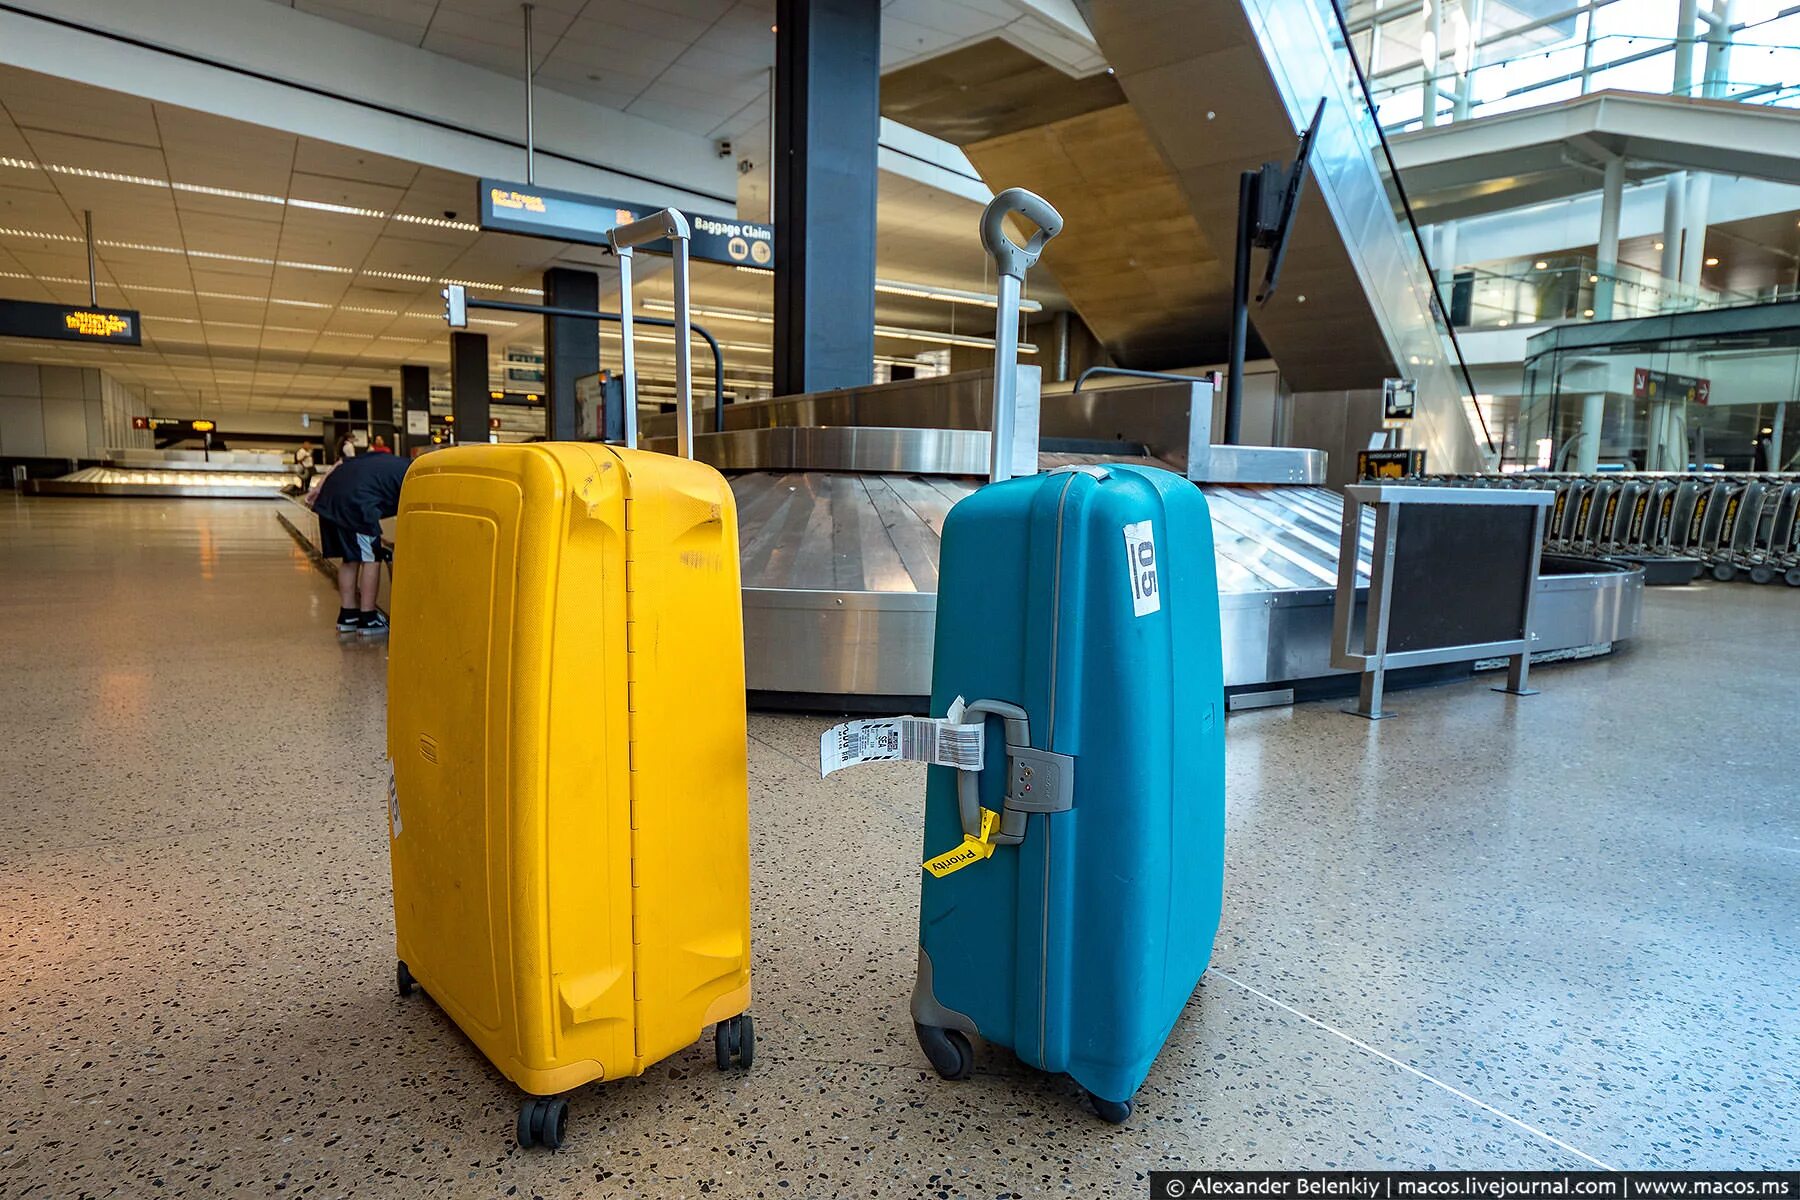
(1062, 502)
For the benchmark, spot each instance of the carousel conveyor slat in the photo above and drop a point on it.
(840, 578)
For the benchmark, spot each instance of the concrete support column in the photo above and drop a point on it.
(415, 397)
(1446, 257)
(571, 348)
(1429, 50)
(827, 120)
(1593, 418)
(1777, 431)
(1674, 204)
(1693, 251)
(381, 416)
(1606, 254)
(1667, 448)
(469, 386)
(359, 420)
(1687, 21)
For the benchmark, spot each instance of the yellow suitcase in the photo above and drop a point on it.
(569, 806)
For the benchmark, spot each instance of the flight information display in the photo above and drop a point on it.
(572, 217)
(69, 322)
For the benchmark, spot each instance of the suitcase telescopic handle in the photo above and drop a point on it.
(669, 224)
(1010, 258)
(1011, 261)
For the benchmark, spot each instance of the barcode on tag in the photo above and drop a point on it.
(908, 739)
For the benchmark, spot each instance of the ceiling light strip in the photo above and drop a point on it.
(925, 291)
(25, 164)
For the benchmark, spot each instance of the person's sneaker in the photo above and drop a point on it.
(373, 624)
(349, 620)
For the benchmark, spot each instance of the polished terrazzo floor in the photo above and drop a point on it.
(1550, 932)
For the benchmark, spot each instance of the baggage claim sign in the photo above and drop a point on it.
(69, 322)
(572, 217)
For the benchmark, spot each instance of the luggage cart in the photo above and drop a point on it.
(1624, 512)
(1741, 531)
(1717, 517)
(1774, 553)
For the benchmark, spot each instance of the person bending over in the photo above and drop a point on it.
(352, 501)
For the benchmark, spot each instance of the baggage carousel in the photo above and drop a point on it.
(842, 498)
(227, 474)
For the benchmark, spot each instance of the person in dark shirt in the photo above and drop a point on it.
(352, 501)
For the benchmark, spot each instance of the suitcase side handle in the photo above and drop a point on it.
(670, 224)
(1036, 780)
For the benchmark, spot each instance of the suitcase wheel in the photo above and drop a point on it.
(1113, 1112)
(543, 1120)
(734, 1042)
(403, 980)
(948, 1049)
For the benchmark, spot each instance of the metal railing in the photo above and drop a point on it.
(1496, 295)
(1740, 70)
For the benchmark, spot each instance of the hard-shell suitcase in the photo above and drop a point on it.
(569, 809)
(1078, 617)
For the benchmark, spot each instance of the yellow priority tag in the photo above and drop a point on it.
(973, 849)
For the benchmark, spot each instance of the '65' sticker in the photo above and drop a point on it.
(1140, 560)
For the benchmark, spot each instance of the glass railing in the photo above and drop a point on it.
(1577, 288)
(1397, 275)
(1751, 70)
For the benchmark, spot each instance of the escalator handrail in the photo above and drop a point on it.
(1387, 152)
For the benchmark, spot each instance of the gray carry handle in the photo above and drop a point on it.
(1010, 258)
(670, 224)
(968, 783)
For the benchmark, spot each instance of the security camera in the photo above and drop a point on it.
(745, 166)
(449, 214)
(723, 147)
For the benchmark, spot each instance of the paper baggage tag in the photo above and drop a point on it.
(1140, 565)
(974, 848)
(393, 803)
(941, 742)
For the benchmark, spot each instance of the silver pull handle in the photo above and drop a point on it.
(1011, 261)
(1010, 258)
(669, 223)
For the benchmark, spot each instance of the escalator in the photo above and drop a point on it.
(1144, 161)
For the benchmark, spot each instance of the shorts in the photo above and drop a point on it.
(338, 541)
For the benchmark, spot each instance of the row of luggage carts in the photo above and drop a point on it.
(1735, 526)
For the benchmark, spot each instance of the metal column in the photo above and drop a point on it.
(571, 347)
(415, 397)
(827, 120)
(469, 386)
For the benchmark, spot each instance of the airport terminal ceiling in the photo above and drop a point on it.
(277, 272)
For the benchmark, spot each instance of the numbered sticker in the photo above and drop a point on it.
(1140, 561)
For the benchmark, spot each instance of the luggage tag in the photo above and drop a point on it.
(974, 848)
(940, 742)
